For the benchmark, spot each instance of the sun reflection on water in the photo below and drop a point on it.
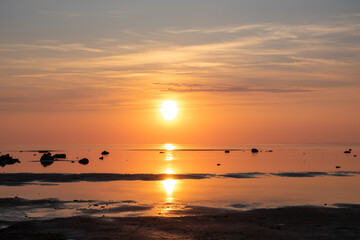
(169, 186)
(169, 146)
(169, 157)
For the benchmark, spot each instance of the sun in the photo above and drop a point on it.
(169, 109)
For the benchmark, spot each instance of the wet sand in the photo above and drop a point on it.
(281, 223)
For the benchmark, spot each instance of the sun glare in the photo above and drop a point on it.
(169, 109)
(169, 185)
(169, 146)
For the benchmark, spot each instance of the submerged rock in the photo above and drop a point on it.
(105, 153)
(84, 161)
(254, 150)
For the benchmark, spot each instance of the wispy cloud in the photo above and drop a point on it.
(268, 58)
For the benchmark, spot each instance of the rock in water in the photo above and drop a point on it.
(46, 159)
(254, 150)
(105, 153)
(46, 156)
(7, 160)
(84, 161)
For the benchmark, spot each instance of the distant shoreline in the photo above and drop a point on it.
(19, 179)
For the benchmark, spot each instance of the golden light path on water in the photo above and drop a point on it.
(169, 184)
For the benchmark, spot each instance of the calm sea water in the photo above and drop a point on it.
(288, 175)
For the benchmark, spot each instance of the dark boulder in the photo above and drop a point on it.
(47, 156)
(254, 150)
(84, 161)
(46, 159)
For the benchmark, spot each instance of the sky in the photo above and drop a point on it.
(241, 71)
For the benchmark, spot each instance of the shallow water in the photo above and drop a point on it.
(290, 175)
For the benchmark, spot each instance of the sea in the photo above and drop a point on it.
(175, 180)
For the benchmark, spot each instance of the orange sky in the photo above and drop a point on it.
(99, 75)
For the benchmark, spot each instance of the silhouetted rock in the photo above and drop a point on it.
(355, 155)
(227, 151)
(254, 150)
(347, 151)
(47, 156)
(7, 160)
(161, 152)
(105, 153)
(46, 159)
(60, 155)
(46, 163)
(84, 161)
(270, 150)
(101, 158)
(218, 164)
(338, 167)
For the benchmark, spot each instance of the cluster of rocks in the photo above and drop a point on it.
(7, 160)
(47, 159)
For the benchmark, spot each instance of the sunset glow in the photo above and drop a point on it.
(169, 147)
(169, 110)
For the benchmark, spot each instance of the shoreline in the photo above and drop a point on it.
(279, 223)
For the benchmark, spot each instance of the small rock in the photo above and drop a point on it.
(105, 153)
(101, 158)
(227, 151)
(161, 152)
(254, 150)
(270, 150)
(338, 167)
(218, 164)
(60, 155)
(347, 151)
(84, 161)
(355, 155)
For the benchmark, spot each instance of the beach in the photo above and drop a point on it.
(281, 223)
